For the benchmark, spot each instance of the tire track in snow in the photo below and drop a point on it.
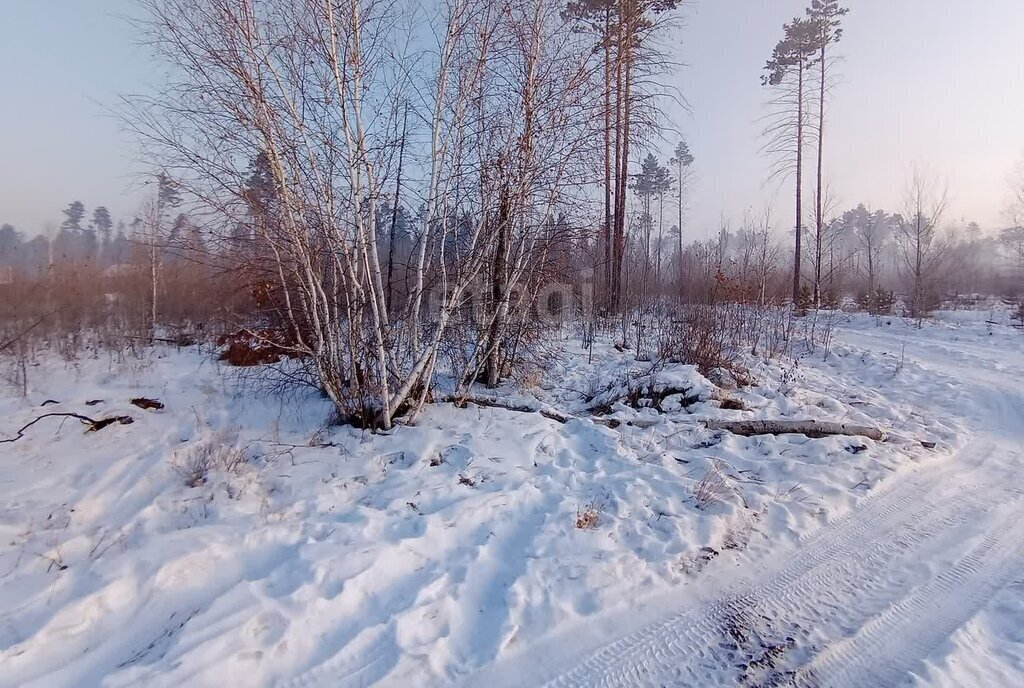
(887, 647)
(854, 557)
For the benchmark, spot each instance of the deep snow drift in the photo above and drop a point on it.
(233, 538)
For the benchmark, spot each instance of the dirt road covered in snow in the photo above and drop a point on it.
(919, 584)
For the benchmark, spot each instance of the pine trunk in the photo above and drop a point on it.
(620, 213)
(818, 219)
(607, 230)
(799, 178)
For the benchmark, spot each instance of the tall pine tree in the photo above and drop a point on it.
(825, 16)
(790, 61)
(621, 28)
(73, 216)
(681, 160)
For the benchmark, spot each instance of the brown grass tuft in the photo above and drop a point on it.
(589, 516)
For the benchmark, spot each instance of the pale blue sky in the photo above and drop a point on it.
(930, 82)
(934, 83)
(62, 63)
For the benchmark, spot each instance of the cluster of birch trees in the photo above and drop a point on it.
(380, 169)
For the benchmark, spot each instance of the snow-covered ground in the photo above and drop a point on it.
(233, 537)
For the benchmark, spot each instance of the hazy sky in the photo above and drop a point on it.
(937, 83)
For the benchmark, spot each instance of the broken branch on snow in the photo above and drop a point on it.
(93, 425)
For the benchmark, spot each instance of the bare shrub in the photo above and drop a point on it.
(707, 336)
(777, 326)
(247, 348)
(816, 332)
(195, 467)
(1016, 312)
(231, 459)
(18, 354)
(922, 251)
(219, 452)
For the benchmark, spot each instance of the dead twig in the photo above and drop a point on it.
(93, 425)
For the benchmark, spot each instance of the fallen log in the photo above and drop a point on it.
(811, 428)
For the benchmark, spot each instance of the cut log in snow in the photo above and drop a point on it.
(810, 428)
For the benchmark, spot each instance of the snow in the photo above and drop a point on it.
(448, 552)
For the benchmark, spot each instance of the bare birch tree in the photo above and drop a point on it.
(920, 248)
(766, 255)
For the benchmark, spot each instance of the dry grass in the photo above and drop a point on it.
(588, 517)
(796, 494)
(714, 487)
